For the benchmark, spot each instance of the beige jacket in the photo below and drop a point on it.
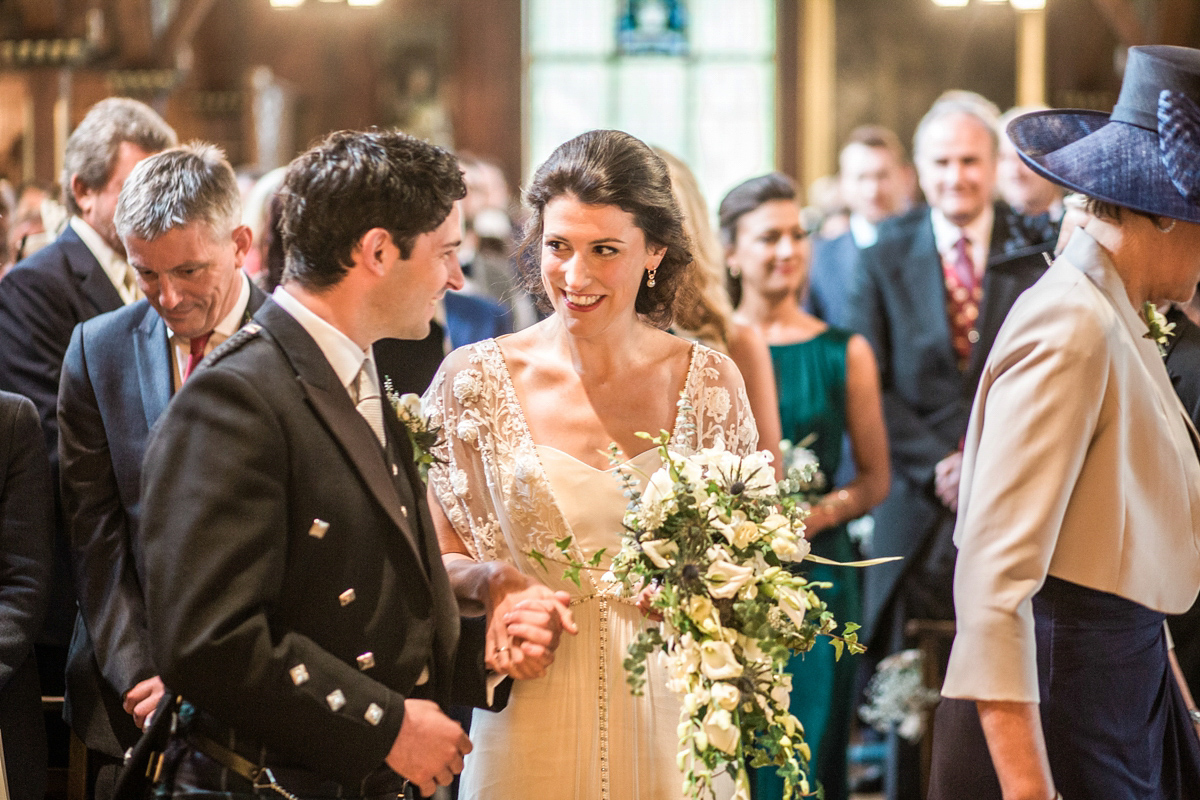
(1078, 463)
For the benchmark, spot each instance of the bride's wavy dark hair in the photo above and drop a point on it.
(612, 168)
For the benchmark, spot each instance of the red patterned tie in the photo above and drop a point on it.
(195, 353)
(964, 266)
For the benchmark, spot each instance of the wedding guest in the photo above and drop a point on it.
(79, 275)
(871, 171)
(294, 591)
(1025, 191)
(26, 527)
(1079, 517)
(708, 317)
(923, 298)
(178, 217)
(531, 416)
(828, 386)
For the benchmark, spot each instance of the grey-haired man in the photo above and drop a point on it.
(179, 219)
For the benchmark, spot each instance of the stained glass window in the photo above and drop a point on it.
(696, 77)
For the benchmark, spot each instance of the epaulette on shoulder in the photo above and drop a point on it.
(243, 335)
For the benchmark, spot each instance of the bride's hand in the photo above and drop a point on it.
(525, 622)
(645, 603)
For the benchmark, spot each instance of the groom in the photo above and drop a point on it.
(295, 591)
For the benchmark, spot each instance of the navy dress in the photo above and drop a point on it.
(1115, 722)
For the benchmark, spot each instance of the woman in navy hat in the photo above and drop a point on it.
(1079, 514)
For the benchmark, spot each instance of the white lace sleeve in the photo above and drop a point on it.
(459, 400)
(717, 408)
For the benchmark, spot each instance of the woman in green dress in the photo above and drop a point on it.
(828, 388)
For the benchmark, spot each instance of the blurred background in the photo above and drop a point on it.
(736, 87)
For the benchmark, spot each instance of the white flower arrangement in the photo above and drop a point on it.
(714, 535)
(898, 697)
(423, 431)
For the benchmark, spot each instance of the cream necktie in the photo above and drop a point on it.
(368, 403)
(131, 292)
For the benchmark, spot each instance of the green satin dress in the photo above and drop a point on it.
(811, 381)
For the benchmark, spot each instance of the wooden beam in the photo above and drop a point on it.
(1031, 58)
(819, 80)
(134, 39)
(188, 16)
(1175, 22)
(40, 17)
(1122, 18)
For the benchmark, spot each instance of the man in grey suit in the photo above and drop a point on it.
(178, 217)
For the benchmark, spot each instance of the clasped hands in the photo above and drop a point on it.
(525, 623)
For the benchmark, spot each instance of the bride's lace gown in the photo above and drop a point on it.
(578, 732)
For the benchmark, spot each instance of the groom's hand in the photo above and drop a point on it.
(430, 748)
(524, 629)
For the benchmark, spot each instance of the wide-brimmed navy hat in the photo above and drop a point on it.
(1145, 155)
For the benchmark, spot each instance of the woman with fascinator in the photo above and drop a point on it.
(1079, 514)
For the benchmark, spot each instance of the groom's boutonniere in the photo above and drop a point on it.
(1160, 329)
(423, 435)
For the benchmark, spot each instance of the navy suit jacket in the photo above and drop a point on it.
(831, 278)
(42, 299)
(116, 383)
(898, 302)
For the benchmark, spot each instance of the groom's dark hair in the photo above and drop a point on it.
(354, 181)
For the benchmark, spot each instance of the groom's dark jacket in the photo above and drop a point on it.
(116, 383)
(295, 591)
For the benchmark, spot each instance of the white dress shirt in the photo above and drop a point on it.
(339, 350)
(979, 231)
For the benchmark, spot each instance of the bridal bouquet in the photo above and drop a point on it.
(714, 534)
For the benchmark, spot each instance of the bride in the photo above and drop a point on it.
(527, 421)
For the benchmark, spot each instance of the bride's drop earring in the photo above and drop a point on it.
(650, 277)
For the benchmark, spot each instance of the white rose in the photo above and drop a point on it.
(790, 547)
(458, 483)
(660, 490)
(410, 407)
(725, 695)
(792, 603)
(720, 730)
(717, 661)
(725, 578)
(659, 551)
(468, 386)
